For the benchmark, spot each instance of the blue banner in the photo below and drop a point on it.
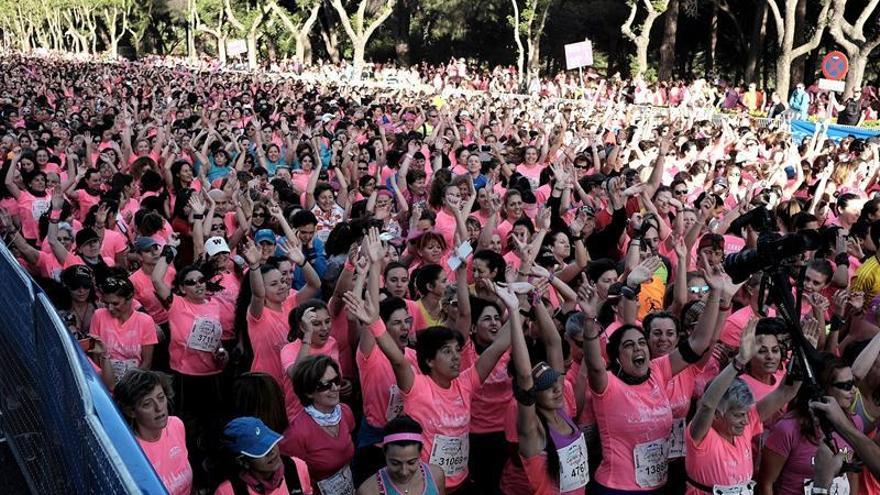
(801, 129)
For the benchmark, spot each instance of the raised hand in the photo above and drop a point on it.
(196, 205)
(373, 246)
(359, 309)
(644, 271)
(810, 327)
(293, 246)
(748, 346)
(252, 253)
(57, 198)
(588, 298)
(507, 296)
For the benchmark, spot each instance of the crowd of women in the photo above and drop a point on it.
(297, 287)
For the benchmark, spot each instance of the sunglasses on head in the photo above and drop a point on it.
(698, 289)
(845, 386)
(323, 386)
(194, 281)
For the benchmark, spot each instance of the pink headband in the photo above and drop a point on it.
(401, 437)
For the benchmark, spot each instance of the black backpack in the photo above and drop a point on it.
(291, 477)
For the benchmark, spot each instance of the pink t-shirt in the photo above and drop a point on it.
(324, 453)
(113, 243)
(382, 398)
(761, 389)
(288, 359)
(30, 208)
(268, 335)
(786, 440)
(445, 416)
(85, 201)
(145, 293)
(226, 298)
(490, 400)
(124, 340)
(169, 457)
(634, 422)
(716, 461)
(195, 335)
(445, 225)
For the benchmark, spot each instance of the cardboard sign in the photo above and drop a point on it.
(578, 54)
(236, 47)
(832, 85)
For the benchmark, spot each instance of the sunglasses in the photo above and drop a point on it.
(77, 284)
(323, 386)
(681, 192)
(699, 289)
(192, 282)
(845, 386)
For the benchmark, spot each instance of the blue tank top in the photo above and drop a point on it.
(386, 486)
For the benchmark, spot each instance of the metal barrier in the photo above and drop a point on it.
(60, 432)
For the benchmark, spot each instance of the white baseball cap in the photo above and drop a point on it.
(215, 246)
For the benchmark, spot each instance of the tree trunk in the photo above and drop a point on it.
(856, 72)
(357, 60)
(713, 40)
(641, 55)
(783, 74)
(328, 34)
(534, 44)
(667, 48)
(759, 30)
(800, 36)
(404, 18)
(251, 40)
(520, 51)
(221, 50)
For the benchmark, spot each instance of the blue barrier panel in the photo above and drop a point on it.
(61, 427)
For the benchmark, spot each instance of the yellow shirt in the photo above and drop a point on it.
(867, 278)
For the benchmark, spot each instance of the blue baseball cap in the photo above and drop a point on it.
(250, 437)
(264, 235)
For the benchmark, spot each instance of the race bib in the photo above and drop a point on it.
(574, 471)
(740, 489)
(450, 453)
(120, 368)
(677, 447)
(395, 403)
(38, 207)
(839, 486)
(650, 461)
(340, 483)
(205, 335)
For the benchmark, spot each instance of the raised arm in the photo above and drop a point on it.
(702, 420)
(597, 372)
(163, 292)
(700, 339)
(9, 180)
(258, 289)
(368, 313)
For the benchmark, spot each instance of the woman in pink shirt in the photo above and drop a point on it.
(789, 450)
(309, 326)
(196, 354)
(321, 433)
(143, 398)
(440, 397)
(33, 201)
(128, 335)
(763, 371)
(552, 448)
(719, 437)
(630, 399)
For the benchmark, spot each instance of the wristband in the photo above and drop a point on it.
(836, 323)
(739, 367)
(377, 328)
(198, 216)
(252, 268)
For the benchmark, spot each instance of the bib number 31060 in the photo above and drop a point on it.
(450, 453)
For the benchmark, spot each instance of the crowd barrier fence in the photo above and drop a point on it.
(60, 432)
